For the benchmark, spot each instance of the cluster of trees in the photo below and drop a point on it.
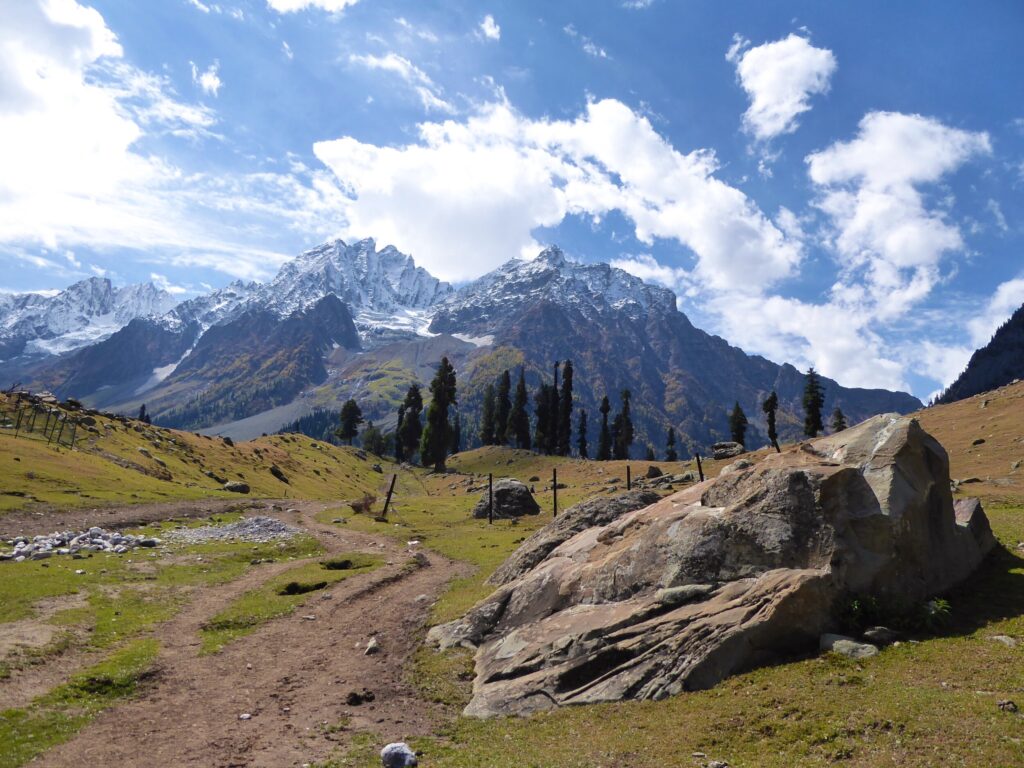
(434, 439)
(813, 402)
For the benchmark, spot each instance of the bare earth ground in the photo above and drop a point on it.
(292, 675)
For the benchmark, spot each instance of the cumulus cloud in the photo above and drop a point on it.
(208, 80)
(780, 78)
(293, 6)
(489, 28)
(589, 46)
(73, 113)
(426, 89)
(468, 195)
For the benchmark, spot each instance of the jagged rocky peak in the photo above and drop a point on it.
(594, 290)
(359, 274)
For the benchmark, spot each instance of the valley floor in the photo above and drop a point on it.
(152, 658)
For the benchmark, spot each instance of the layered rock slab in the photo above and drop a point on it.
(723, 576)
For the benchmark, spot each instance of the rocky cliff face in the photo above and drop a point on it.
(725, 575)
(996, 364)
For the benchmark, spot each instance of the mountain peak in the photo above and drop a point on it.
(552, 255)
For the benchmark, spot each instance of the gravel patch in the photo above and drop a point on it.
(72, 542)
(258, 530)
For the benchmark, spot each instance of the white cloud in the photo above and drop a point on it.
(420, 32)
(287, 50)
(73, 113)
(997, 213)
(72, 260)
(199, 6)
(647, 268)
(589, 46)
(779, 79)
(208, 80)
(489, 28)
(468, 195)
(292, 6)
(161, 282)
(429, 93)
(1007, 299)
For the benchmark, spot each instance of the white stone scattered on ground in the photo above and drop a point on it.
(72, 542)
(398, 755)
(847, 646)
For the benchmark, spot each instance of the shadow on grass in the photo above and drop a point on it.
(995, 592)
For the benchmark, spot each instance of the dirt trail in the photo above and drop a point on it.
(292, 675)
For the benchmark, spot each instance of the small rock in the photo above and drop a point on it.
(1009, 642)
(236, 486)
(1007, 706)
(398, 755)
(245, 716)
(653, 472)
(718, 764)
(309, 618)
(372, 647)
(377, 468)
(881, 635)
(847, 646)
(979, 441)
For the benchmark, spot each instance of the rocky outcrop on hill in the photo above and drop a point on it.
(725, 575)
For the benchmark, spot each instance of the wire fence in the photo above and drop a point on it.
(30, 418)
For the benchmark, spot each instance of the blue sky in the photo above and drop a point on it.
(837, 184)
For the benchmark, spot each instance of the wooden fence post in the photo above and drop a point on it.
(700, 469)
(490, 499)
(629, 478)
(554, 491)
(391, 490)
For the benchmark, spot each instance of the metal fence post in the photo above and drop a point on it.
(490, 498)
(554, 491)
(629, 478)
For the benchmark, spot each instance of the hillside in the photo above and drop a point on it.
(998, 363)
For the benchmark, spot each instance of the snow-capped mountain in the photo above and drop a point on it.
(595, 291)
(82, 314)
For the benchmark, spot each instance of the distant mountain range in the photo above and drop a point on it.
(345, 321)
(996, 364)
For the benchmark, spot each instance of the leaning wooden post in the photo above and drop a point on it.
(490, 499)
(700, 469)
(74, 431)
(17, 423)
(63, 422)
(629, 478)
(554, 491)
(391, 490)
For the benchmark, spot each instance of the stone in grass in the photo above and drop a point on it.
(847, 646)
(653, 472)
(398, 755)
(372, 647)
(511, 499)
(236, 486)
(881, 635)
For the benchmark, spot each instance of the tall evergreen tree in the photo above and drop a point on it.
(649, 454)
(604, 441)
(622, 429)
(351, 418)
(770, 406)
(456, 434)
(838, 420)
(565, 411)
(399, 445)
(373, 439)
(544, 421)
(519, 419)
(738, 424)
(487, 419)
(436, 438)
(143, 416)
(502, 409)
(412, 427)
(670, 445)
(814, 401)
(581, 435)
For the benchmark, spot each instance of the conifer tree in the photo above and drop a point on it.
(399, 446)
(519, 419)
(436, 438)
(670, 445)
(770, 406)
(604, 441)
(143, 416)
(649, 455)
(487, 419)
(622, 429)
(581, 435)
(565, 411)
(351, 418)
(544, 421)
(738, 424)
(838, 420)
(502, 409)
(412, 427)
(373, 439)
(813, 400)
(456, 434)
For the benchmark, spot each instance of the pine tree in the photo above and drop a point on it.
(581, 435)
(519, 419)
(565, 411)
(622, 429)
(502, 409)
(838, 420)
(670, 445)
(399, 446)
(412, 427)
(351, 418)
(649, 455)
(456, 435)
(543, 423)
(604, 441)
(436, 438)
(487, 419)
(143, 416)
(770, 406)
(373, 439)
(738, 424)
(814, 400)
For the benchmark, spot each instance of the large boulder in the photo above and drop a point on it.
(726, 450)
(600, 510)
(511, 499)
(724, 575)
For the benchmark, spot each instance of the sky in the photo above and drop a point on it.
(830, 184)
